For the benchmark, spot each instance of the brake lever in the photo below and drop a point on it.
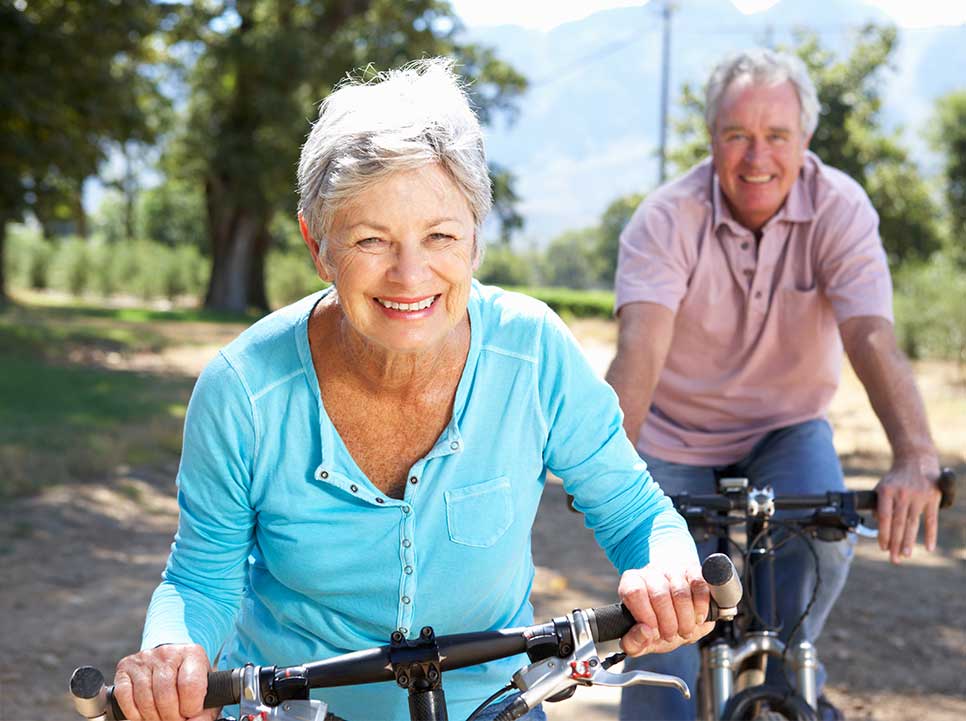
(583, 667)
(251, 706)
(602, 677)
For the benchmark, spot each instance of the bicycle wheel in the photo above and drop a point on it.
(781, 705)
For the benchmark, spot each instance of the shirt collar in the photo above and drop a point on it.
(797, 208)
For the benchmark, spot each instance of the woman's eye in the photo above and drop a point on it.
(443, 237)
(370, 242)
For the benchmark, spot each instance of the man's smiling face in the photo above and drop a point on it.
(758, 148)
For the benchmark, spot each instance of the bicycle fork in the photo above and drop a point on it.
(723, 661)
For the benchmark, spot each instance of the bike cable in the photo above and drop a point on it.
(492, 699)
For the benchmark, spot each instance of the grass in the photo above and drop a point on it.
(73, 405)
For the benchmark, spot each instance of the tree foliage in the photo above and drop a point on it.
(849, 137)
(261, 68)
(612, 223)
(948, 137)
(74, 79)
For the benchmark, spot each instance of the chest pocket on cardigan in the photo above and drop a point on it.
(480, 514)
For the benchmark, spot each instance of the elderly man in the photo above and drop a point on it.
(737, 286)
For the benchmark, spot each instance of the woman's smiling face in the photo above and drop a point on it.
(401, 255)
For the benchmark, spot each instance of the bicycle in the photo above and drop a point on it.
(563, 654)
(735, 656)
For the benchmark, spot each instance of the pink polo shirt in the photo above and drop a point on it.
(756, 344)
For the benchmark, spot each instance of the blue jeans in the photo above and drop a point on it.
(489, 714)
(797, 460)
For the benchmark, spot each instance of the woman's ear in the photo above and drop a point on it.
(313, 246)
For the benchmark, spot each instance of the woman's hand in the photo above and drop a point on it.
(670, 605)
(167, 683)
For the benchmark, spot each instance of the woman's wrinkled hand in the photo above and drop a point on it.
(670, 605)
(167, 683)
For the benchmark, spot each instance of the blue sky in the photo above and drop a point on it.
(546, 14)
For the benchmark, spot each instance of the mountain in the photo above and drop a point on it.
(587, 130)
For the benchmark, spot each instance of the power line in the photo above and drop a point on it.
(579, 63)
(768, 30)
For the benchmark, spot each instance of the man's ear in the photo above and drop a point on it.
(313, 246)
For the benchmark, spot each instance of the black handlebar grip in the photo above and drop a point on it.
(612, 622)
(223, 690)
(116, 712)
(866, 500)
(947, 486)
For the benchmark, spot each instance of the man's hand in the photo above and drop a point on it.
(670, 605)
(908, 490)
(906, 493)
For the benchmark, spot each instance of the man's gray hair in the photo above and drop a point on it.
(763, 67)
(400, 120)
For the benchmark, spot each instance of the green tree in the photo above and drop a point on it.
(262, 67)
(173, 213)
(571, 260)
(948, 137)
(612, 224)
(505, 200)
(74, 78)
(849, 137)
(504, 266)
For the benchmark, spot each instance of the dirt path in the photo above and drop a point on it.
(78, 564)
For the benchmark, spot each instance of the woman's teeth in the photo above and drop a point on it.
(419, 305)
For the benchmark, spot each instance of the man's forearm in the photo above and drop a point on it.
(633, 391)
(644, 338)
(888, 379)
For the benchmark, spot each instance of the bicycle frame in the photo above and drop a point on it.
(727, 649)
(726, 689)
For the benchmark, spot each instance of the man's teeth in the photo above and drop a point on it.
(419, 305)
(756, 178)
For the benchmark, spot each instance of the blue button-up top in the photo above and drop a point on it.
(286, 553)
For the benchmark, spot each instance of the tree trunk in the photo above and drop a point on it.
(80, 215)
(3, 265)
(239, 242)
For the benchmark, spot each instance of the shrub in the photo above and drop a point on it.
(502, 266)
(289, 275)
(930, 311)
(574, 303)
(71, 268)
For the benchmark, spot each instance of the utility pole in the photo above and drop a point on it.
(665, 73)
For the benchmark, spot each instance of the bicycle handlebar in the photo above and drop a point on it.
(607, 623)
(837, 500)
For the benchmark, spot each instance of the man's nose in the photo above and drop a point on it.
(755, 151)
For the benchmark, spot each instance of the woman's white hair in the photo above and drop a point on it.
(400, 120)
(763, 67)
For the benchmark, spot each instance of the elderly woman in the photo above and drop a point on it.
(371, 458)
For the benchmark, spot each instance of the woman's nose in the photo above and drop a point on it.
(410, 264)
